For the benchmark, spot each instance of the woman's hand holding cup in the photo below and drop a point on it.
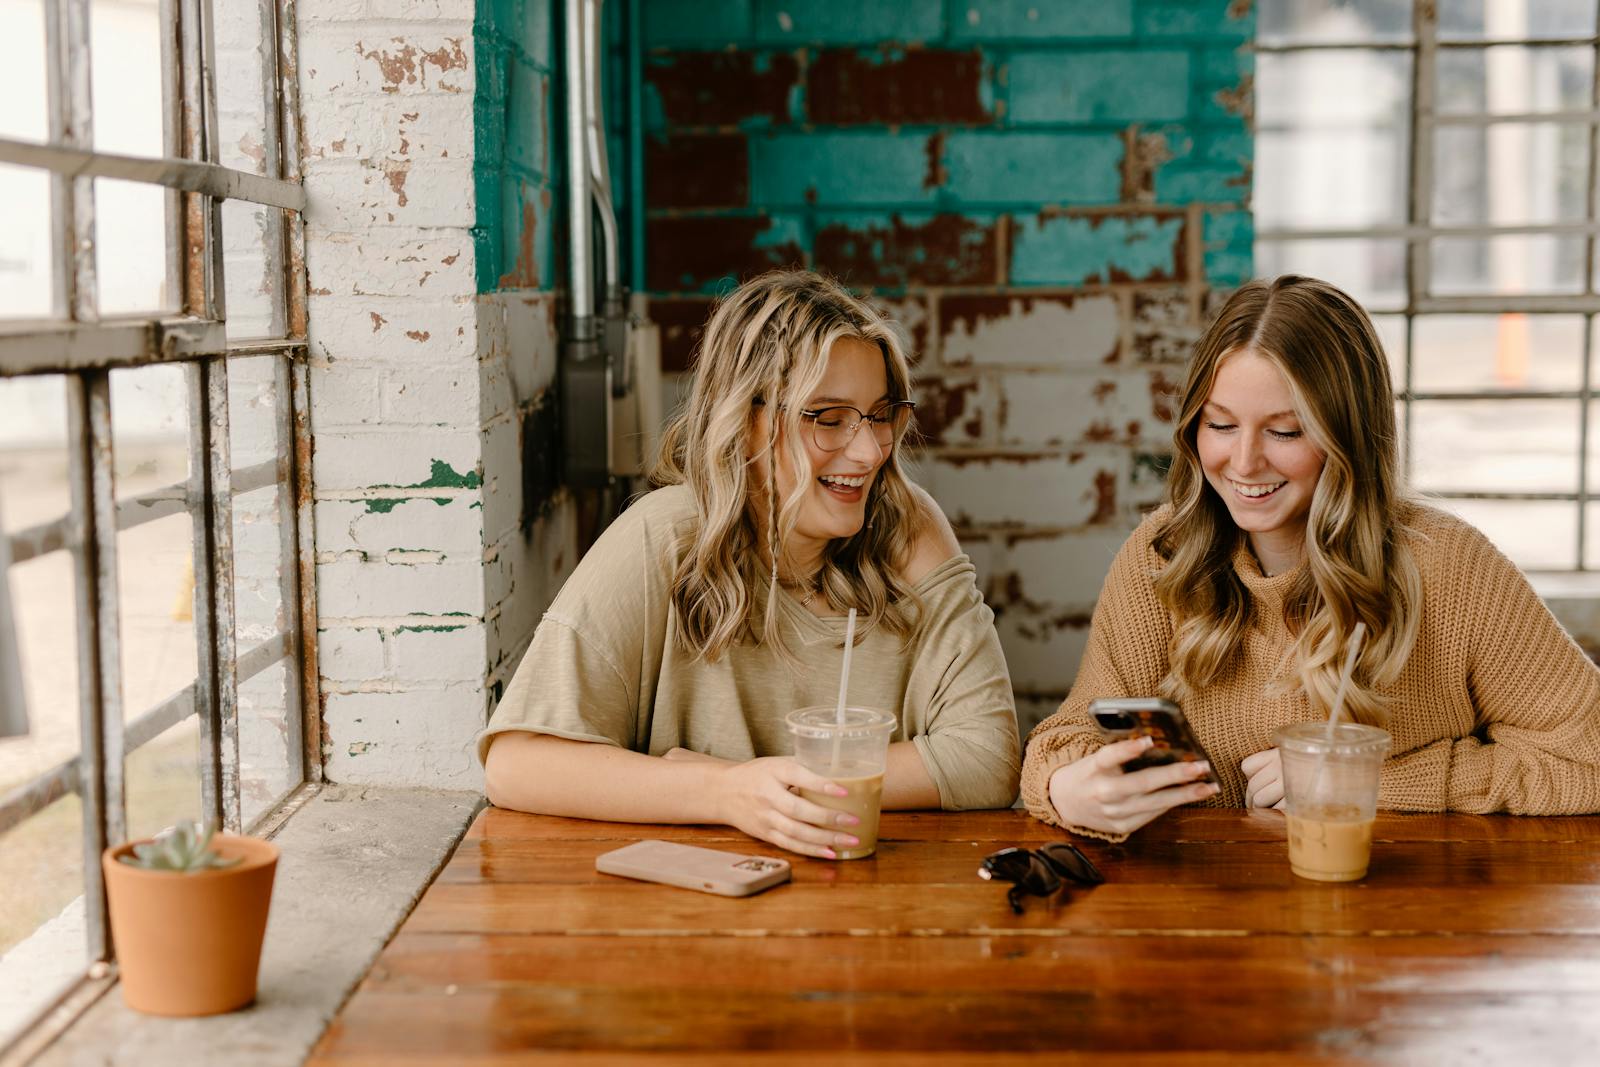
(1095, 793)
(757, 796)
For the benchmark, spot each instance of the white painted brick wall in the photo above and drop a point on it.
(390, 459)
(361, 589)
(413, 736)
(1056, 331)
(1022, 489)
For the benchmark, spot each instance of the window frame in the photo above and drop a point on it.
(1418, 232)
(82, 346)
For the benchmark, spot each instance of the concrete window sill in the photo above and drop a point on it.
(355, 861)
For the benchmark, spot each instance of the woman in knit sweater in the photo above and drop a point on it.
(657, 683)
(1285, 525)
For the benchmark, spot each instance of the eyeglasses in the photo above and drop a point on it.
(833, 428)
(1038, 872)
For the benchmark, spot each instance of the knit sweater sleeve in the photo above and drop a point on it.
(1126, 656)
(1535, 745)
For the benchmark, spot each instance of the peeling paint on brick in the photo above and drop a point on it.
(694, 253)
(1143, 153)
(1241, 99)
(942, 407)
(936, 174)
(947, 249)
(892, 85)
(723, 88)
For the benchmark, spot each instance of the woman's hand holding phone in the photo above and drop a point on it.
(758, 797)
(1095, 793)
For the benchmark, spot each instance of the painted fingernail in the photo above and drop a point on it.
(846, 819)
(847, 841)
(829, 854)
(837, 790)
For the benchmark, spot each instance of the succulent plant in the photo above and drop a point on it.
(185, 847)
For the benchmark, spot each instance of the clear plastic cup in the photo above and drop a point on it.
(1330, 790)
(853, 754)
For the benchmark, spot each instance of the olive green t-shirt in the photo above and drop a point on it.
(604, 667)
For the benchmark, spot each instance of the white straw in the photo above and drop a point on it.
(1344, 676)
(844, 672)
(1338, 707)
(844, 688)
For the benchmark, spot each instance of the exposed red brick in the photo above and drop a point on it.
(689, 171)
(686, 253)
(1165, 397)
(910, 314)
(896, 86)
(945, 250)
(723, 88)
(941, 405)
(1105, 489)
(682, 321)
(937, 173)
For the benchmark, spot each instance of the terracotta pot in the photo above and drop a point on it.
(190, 944)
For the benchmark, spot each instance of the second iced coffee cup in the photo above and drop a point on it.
(1330, 792)
(852, 752)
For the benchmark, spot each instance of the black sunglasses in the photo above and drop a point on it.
(1038, 871)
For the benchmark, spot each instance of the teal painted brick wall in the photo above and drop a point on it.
(1016, 123)
(516, 165)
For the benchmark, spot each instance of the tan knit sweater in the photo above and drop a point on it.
(1496, 710)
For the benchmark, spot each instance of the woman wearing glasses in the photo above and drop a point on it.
(657, 684)
(1286, 525)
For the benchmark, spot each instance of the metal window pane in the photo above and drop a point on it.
(246, 51)
(1314, 21)
(125, 76)
(22, 75)
(249, 233)
(1507, 265)
(26, 243)
(1536, 534)
(1513, 79)
(1495, 446)
(1511, 174)
(264, 569)
(131, 232)
(41, 913)
(41, 859)
(1331, 134)
(1476, 20)
(1369, 269)
(1483, 353)
(1392, 335)
(155, 593)
(1594, 466)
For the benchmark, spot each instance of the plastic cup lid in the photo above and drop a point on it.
(1348, 738)
(821, 721)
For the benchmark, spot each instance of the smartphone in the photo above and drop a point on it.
(1119, 718)
(727, 874)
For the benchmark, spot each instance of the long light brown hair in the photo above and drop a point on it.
(1358, 566)
(765, 349)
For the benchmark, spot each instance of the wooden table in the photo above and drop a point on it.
(1472, 939)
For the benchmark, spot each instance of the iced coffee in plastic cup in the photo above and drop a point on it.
(851, 753)
(1330, 790)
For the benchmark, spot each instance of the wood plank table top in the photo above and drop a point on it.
(1473, 939)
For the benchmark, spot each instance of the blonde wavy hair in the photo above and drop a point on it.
(1358, 566)
(766, 348)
